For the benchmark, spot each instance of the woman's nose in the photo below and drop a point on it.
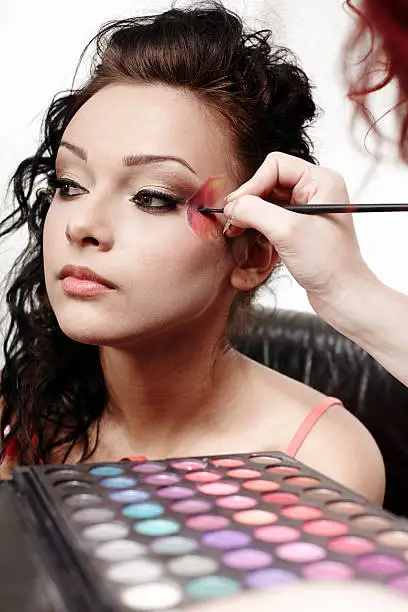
(90, 226)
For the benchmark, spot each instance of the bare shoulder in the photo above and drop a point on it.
(270, 383)
(340, 446)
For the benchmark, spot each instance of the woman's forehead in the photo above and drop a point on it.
(123, 120)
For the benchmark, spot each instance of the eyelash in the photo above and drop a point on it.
(170, 202)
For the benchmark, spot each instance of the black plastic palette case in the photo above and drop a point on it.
(162, 535)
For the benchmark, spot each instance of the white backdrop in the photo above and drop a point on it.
(40, 43)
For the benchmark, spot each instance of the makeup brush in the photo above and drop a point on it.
(325, 209)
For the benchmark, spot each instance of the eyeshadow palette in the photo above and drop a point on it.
(161, 535)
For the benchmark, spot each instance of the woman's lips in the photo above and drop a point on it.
(82, 287)
(84, 282)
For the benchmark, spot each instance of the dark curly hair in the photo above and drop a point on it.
(52, 387)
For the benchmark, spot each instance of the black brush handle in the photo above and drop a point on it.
(326, 209)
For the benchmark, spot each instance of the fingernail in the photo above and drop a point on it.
(230, 197)
(226, 227)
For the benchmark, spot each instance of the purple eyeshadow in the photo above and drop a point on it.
(380, 564)
(262, 579)
(191, 506)
(175, 492)
(226, 538)
(247, 559)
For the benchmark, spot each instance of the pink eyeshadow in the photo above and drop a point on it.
(255, 517)
(247, 559)
(218, 488)
(188, 464)
(236, 502)
(243, 473)
(203, 476)
(325, 527)
(300, 552)
(207, 522)
(328, 570)
(380, 564)
(281, 497)
(261, 485)
(351, 545)
(149, 468)
(302, 513)
(161, 479)
(191, 506)
(276, 533)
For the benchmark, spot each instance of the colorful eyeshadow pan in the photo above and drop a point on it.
(260, 485)
(191, 506)
(277, 533)
(188, 464)
(212, 586)
(203, 476)
(126, 497)
(281, 498)
(328, 570)
(302, 513)
(267, 578)
(166, 535)
(265, 460)
(351, 545)
(193, 565)
(207, 522)
(143, 510)
(83, 499)
(236, 502)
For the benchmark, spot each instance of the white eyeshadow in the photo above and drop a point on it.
(106, 531)
(93, 515)
(193, 565)
(152, 596)
(139, 570)
(119, 550)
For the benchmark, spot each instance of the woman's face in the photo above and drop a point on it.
(126, 158)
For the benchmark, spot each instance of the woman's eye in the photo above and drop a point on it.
(155, 201)
(67, 188)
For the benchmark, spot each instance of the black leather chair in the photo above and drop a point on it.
(302, 346)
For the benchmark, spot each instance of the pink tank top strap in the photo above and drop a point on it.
(309, 422)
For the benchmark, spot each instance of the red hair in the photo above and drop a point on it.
(380, 41)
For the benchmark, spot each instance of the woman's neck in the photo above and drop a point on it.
(166, 394)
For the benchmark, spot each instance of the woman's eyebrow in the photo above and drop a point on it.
(131, 160)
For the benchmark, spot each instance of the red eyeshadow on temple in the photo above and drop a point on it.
(211, 192)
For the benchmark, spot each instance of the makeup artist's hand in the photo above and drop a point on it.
(321, 252)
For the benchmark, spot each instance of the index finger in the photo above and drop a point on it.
(278, 170)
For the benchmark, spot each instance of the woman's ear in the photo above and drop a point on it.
(255, 260)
